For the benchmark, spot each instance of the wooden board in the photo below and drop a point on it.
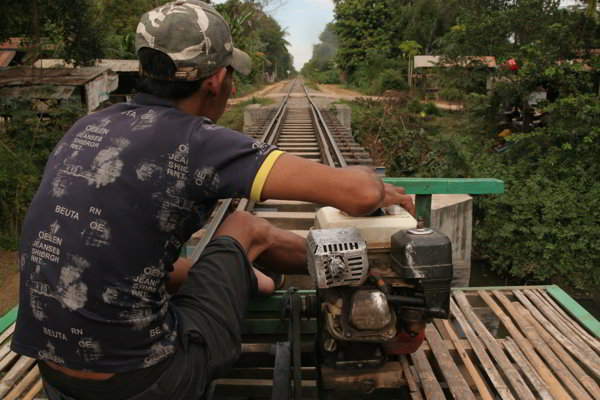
(543, 352)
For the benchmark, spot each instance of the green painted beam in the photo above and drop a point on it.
(8, 319)
(448, 185)
(572, 307)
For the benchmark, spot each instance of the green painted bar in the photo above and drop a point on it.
(273, 302)
(576, 311)
(8, 319)
(448, 185)
(423, 208)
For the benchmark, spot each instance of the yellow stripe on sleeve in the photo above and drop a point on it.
(263, 172)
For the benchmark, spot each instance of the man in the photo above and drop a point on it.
(123, 191)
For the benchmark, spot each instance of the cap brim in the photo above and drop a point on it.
(241, 62)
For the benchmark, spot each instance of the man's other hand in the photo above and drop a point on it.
(395, 195)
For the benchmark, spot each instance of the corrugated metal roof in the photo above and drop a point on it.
(115, 65)
(27, 76)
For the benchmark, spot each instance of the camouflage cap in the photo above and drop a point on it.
(194, 35)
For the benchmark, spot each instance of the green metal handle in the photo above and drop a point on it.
(423, 188)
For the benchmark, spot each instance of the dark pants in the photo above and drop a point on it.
(210, 307)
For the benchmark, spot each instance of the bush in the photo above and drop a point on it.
(390, 79)
(27, 138)
(329, 77)
(546, 227)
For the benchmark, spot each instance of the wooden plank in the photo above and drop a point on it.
(533, 377)
(29, 379)
(578, 312)
(488, 366)
(13, 375)
(473, 372)
(415, 393)
(431, 386)
(526, 347)
(587, 382)
(456, 382)
(34, 390)
(561, 326)
(585, 335)
(10, 357)
(9, 331)
(4, 350)
(494, 348)
(448, 185)
(562, 339)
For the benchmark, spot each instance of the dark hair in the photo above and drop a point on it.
(160, 65)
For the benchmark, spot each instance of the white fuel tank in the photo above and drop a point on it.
(376, 231)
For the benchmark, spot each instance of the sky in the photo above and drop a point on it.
(304, 20)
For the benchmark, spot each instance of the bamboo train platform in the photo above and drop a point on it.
(528, 342)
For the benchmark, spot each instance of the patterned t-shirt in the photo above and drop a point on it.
(121, 193)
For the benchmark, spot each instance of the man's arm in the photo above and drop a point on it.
(354, 190)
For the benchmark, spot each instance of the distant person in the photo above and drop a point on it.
(106, 305)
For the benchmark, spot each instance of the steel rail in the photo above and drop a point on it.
(320, 122)
(221, 210)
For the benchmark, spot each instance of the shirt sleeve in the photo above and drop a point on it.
(224, 163)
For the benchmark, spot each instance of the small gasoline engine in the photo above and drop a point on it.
(379, 281)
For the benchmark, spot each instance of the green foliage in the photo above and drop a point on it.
(27, 137)
(390, 79)
(394, 131)
(259, 35)
(546, 226)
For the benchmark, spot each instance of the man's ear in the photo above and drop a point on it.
(213, 83)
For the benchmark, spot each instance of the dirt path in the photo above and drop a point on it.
(269, 89)
(338, 91)
(9, 277)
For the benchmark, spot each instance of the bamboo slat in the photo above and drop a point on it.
(415, 393)
(37, 387)
(13, 375)
(562, 339)
(529, 371)
(431, 386)
(484, 392)
(585, 335)
(585, 380)
(18, 389)
(488, 365)
(456, 382)
(509, 370)
(526, 347)
(551, 314)
(7, 360)
(9, 331)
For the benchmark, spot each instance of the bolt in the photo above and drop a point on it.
(348, 334)
(390, 332)
(330, 345)
(367, 386)
(359, 365)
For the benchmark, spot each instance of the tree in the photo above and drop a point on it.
(72, 25)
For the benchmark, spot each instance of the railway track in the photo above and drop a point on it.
(297, 126)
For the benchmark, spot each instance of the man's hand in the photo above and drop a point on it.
(395, 195)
